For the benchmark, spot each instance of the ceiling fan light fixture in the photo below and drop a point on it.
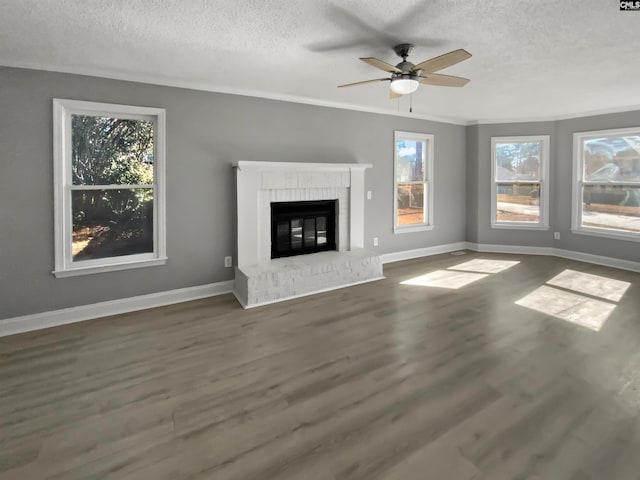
(404, 86)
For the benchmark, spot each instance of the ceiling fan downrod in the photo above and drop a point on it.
(403, 50)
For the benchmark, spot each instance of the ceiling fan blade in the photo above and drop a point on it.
(374, 62)
(443, 61)
(444, 80)
(363, 82)
(393, 95)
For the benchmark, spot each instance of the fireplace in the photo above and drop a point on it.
(273, 231)
(298, 228)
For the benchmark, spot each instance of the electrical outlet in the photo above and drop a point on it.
(556, 235)
(228, 262)
(375, 241)
(369, 195)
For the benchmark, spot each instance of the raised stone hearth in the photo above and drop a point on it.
(259, 278)
(290, 277)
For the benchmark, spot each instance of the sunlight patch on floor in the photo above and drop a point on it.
(571, 307)
(462, 274)
(485, 265)
(593, 285)
(580, 298)
(445, 279)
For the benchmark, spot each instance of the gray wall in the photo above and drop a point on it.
(563, 177)
(205, 133)
(479, 161)
(478, 228)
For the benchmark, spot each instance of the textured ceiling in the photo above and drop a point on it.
(532, 59)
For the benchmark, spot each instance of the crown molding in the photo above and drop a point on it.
(557, 118)
(209, 87)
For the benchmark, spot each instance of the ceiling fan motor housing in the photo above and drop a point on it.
(403, 50)
(405, 76)
(405, 66)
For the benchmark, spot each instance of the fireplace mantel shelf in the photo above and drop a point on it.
(246, 164)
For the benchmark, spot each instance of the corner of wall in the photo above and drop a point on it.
(471, 154)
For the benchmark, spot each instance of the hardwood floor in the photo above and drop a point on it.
(385, 381)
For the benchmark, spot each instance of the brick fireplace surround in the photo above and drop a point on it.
(261, 280)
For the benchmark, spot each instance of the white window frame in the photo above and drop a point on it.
(63, 223)
(579, 182)
(428, 182)
(543, 223)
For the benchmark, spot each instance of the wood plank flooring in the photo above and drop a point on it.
(496, 379)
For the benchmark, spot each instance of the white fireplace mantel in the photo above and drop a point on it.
(260, 183)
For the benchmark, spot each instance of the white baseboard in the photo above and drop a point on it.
(558, 252)
(517, 249)
(513, 249)
(598, 259)
(37, 321)
(422, 252)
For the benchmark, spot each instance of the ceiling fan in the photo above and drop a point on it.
(406, 77)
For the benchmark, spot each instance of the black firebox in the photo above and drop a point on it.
(299, 228)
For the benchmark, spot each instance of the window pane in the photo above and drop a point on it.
(518, 203)
(112, 223)
(613, 207)
(612, 159)
(518, 161)
(411, 204)
(411, 155)
(111, 151)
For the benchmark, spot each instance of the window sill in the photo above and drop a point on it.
(413, 228)
(73, 272)
(519, 226)
(617, 235)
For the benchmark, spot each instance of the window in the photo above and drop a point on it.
(519, 189)
(606, 189)
(413, 192)
(109, 187)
